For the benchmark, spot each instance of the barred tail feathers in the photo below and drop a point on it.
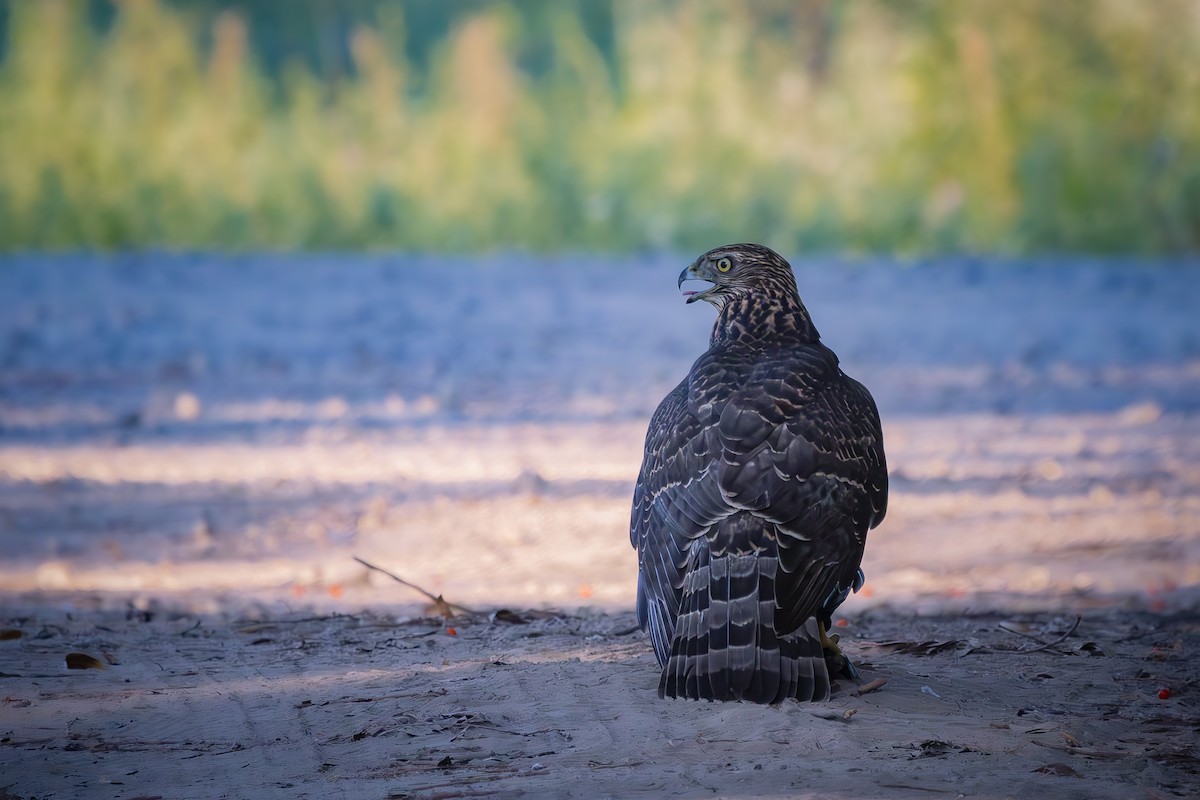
(725, 646)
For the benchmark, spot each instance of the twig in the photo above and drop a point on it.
(1044, 645)
(477, 726)
(35, 675)
(246, 623)
(444, 607)
(825, 713)
(1037, 639)
(1086, 752)
(867, 688)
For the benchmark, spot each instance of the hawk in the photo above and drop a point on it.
(763, 471)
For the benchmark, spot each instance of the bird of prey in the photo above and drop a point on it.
(763, 471)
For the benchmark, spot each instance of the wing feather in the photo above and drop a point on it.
(782, 434)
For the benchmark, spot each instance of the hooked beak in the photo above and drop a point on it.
(692, 273)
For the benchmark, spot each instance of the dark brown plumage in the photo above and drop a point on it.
(763, 472)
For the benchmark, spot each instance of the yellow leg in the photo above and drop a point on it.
(829, 642)
(833, 655)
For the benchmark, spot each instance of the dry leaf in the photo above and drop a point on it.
(535, 613)
(1057, 769)
(933, 747)
(10, 633)
(84, 661)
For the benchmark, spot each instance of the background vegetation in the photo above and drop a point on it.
(1014, 125)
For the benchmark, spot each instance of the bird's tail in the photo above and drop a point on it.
(725, 646)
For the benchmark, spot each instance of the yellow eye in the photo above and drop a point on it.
(724, 265)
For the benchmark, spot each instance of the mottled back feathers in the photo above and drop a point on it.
(763, 471)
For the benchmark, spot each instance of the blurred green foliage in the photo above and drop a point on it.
(1013, 125)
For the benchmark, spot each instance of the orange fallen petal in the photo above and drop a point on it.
(335, 591)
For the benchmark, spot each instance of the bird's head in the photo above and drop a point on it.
(740, 271)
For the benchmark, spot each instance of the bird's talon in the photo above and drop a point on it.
(838, 663)
(828, 642)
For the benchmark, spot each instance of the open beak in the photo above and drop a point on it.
(692, 274)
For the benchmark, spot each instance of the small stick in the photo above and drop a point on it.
(249, 623)
(829, 713)
(445, 608)
(1045, 645)
(1037, 639)
(1083, 751)
(918, 788)
(867, 688)
(473, 726)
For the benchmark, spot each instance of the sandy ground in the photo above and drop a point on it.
(193, 449)
(375, 706)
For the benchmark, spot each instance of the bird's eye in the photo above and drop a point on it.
(724, 264)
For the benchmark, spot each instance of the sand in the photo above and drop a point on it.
(379, 705)
(193, 450)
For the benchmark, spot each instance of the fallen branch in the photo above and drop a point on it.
(1044, 644)
(915, 788)
(478, 726)
(832, 714)
(1085, 752)
(1037, 639)
(444, 607)
(867, 688)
